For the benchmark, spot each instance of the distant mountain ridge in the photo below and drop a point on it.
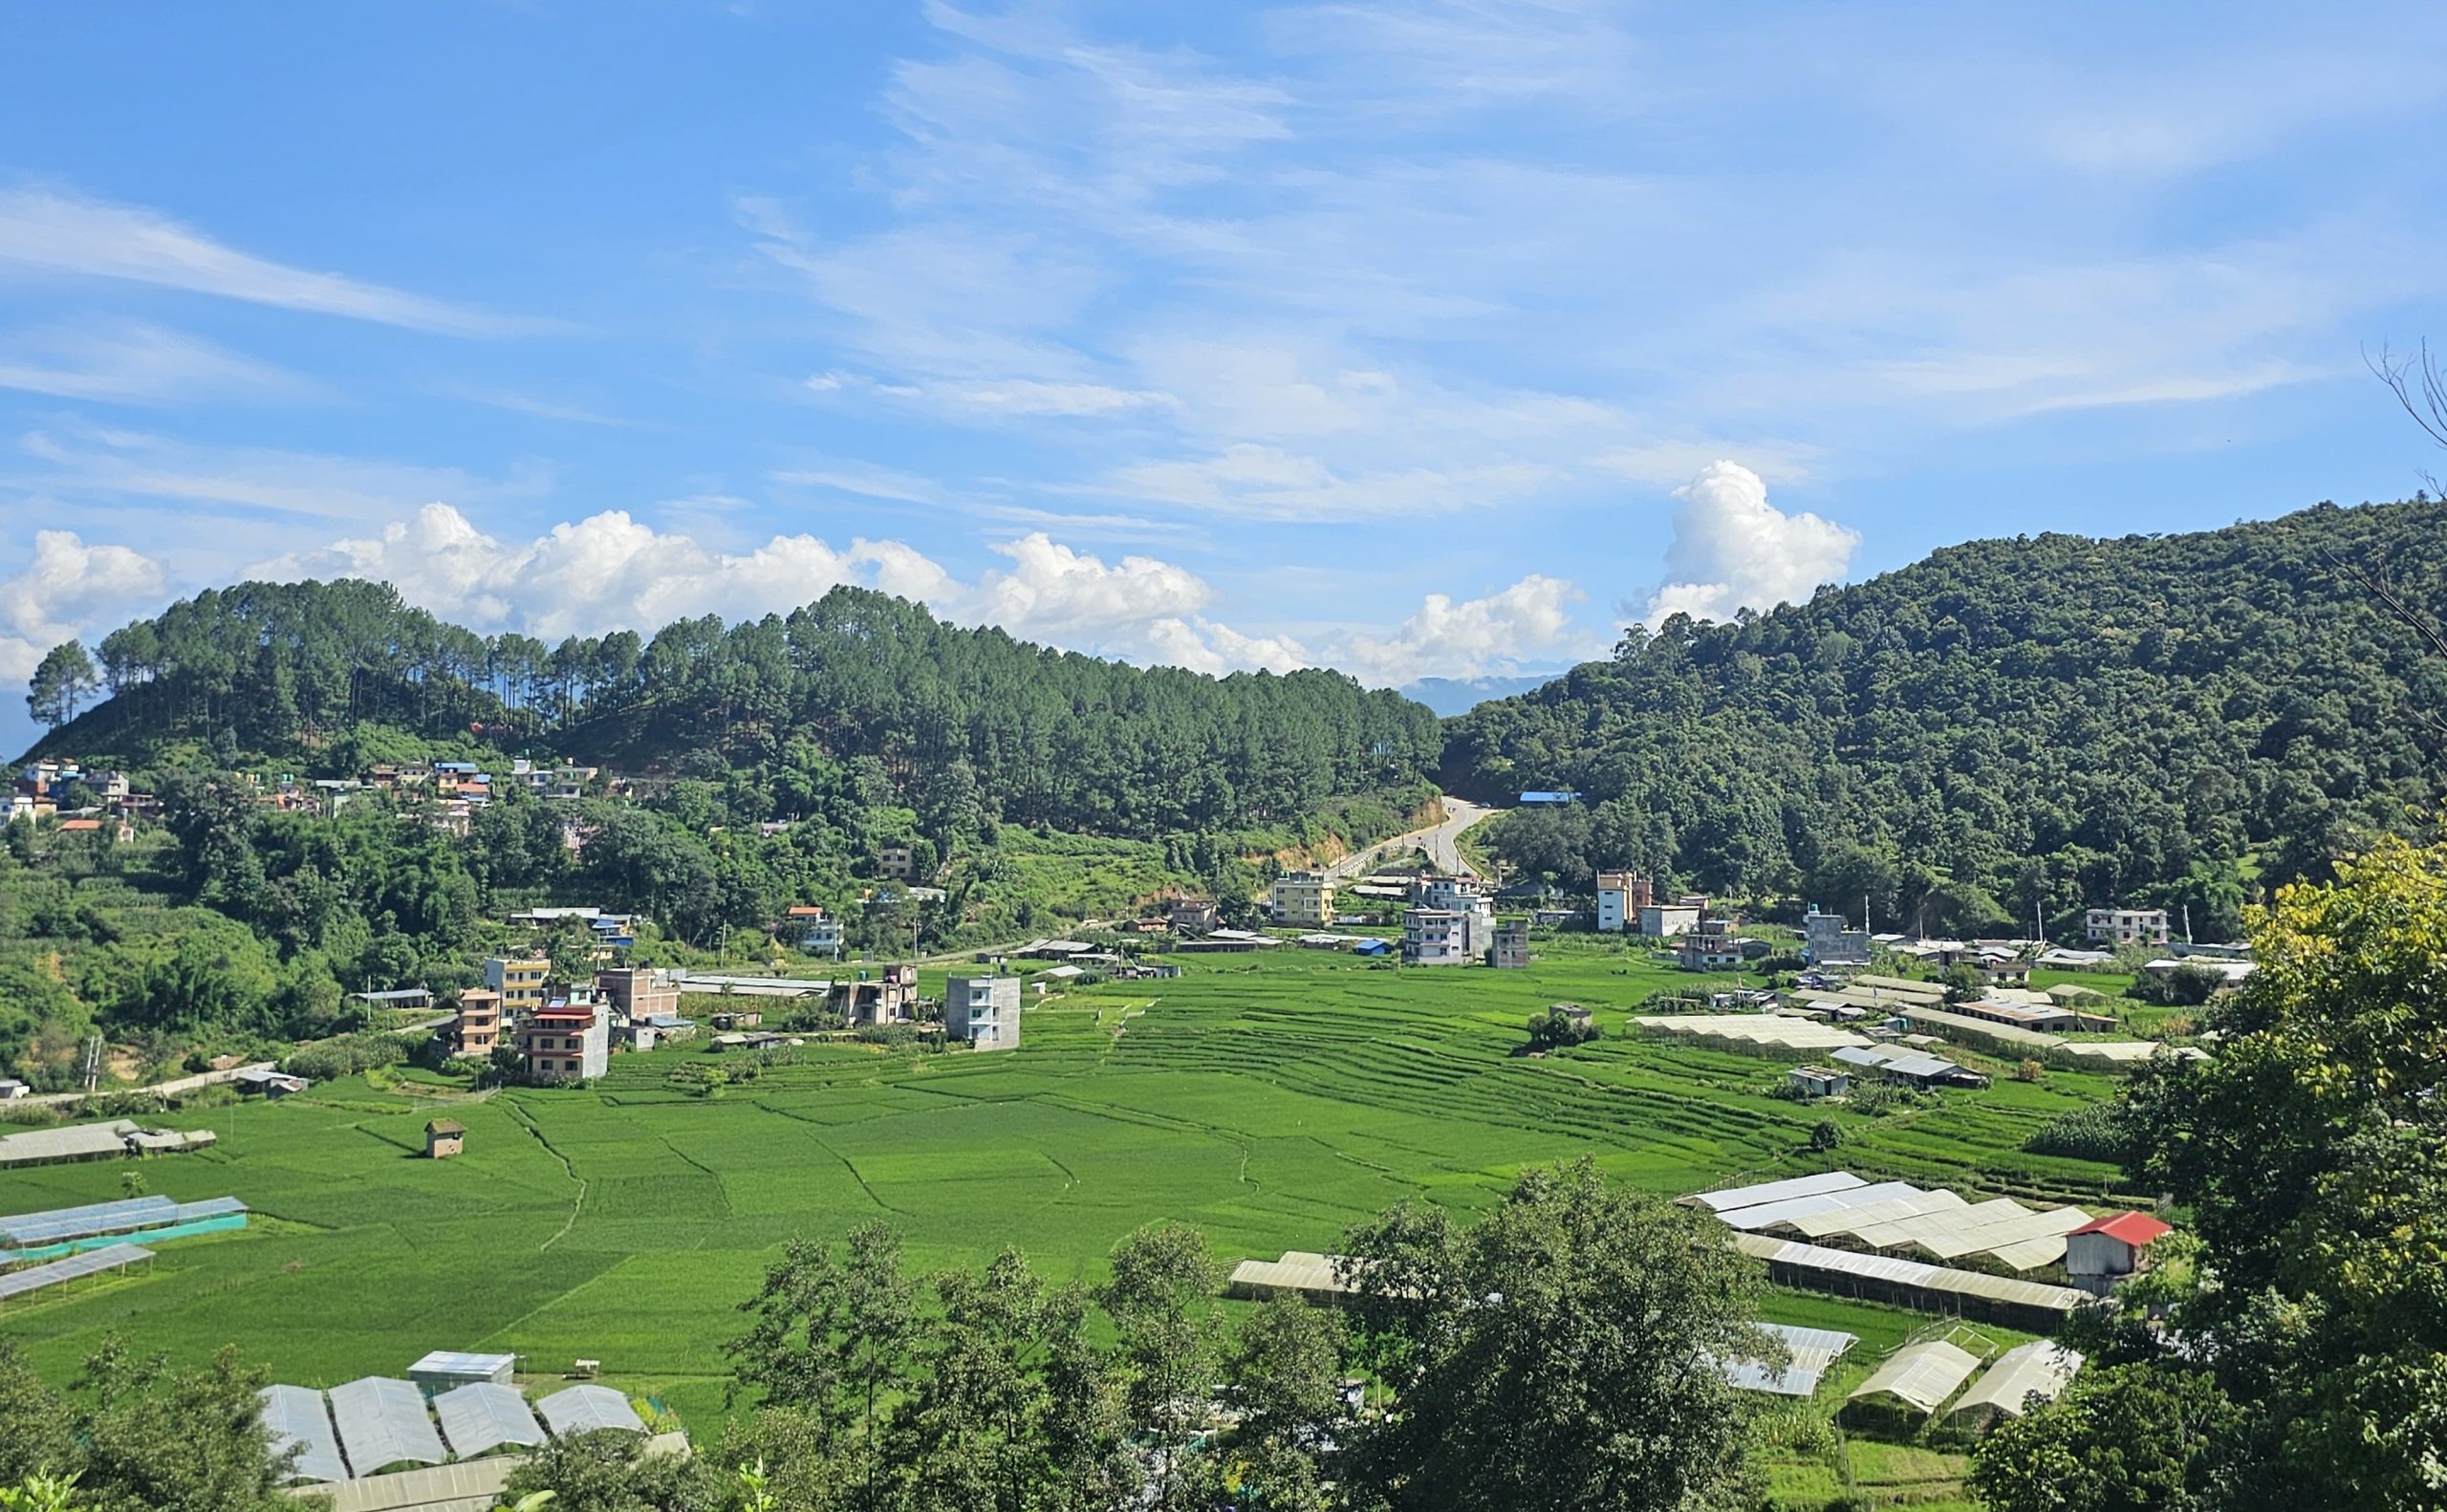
(2009, 727)
(1451, 696)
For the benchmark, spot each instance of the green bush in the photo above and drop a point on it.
(2091, 1132)
(345, 1055)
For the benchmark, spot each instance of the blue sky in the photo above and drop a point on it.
(1414, 339)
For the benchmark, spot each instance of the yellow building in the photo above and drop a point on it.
(520, 982)
(1303, 898)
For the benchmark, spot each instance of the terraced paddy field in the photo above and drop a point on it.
(1271, 1100)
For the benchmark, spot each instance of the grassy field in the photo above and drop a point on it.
(1271, 1100)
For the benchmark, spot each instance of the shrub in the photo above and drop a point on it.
(2029, 1070)
(30, 1115)
(2091, 1132)
(1827, 1134)
(346, 1055)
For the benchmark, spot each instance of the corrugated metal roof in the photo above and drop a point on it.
(1767, 1215)
(1913, 1273)
(2036, 1370)
(297, 1418)
(483, 1415)
(475, 1486)
(1922, 1375)
(383, 1422)
(2132, 1228)
(1740, 1196)
(1812, 1351)
(1298, 1270)
(584, 1409)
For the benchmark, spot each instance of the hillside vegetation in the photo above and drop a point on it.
(950, 718)
(2047, 722)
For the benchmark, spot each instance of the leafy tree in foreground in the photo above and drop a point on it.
(2124, 1438)
(612, 1470)
(2310, 1153)
(1162, 1300)
(133, 1434)
(1555, 1355)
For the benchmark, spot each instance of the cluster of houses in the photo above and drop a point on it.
(81, 801)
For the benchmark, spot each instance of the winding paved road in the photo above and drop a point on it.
(1439, 841)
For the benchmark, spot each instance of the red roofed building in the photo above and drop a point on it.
(80, 826)
(2107, 1250)
(565, 1042)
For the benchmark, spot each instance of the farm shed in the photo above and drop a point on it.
(1919, 1377)
(485, 1415)
(2104, 1251)
(473, 1486)
(1300, 1272)
(444, 1138)
(108, 1141)
(443, 1369)
(1754, 1031)
(74, 1267)
(2032, 1306)
(584, 1409)
(297, 1418)
(2036, 1370)
(1738, 1197)
(1809, 1353)
(383, 1422)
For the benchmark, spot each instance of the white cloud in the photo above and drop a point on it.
(1732, 550)
(131, 364)
(67, 590)
(1270, 484)
(1051, 591)
(1529, 622)
(1201, 645)
(57, 233)
(112, 466)
(602, 573)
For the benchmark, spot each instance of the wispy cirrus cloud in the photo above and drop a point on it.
(54, 232)
(133, 362)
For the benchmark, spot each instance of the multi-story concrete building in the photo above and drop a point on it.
(1302, 898)
(566, 1042)
(889, 995)
(895, 861)
(1461, 895)
(1709, 948)
(1442, 936)
(520, 981)
(1193, 916)
(477, 1029)
(1511, 949)
(984, 1011)
(1830, 940)
(1620, 897)
(2128, 926)
(639, 992)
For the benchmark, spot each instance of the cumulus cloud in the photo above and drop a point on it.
(1052, 589)
(612, 570)
(1732, 550)
(602, 573)
(1526, 622)
(68, 589)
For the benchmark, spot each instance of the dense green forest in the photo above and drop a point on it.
(775, 707)
(2049, 722)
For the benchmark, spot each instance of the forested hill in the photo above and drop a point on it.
(2052, 720)
(858, 687)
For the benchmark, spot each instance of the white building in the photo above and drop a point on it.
(1442, 936)
(983, 1010)
(1458, 895)
(2128, 926)
(1620, 897)
(1669, 920)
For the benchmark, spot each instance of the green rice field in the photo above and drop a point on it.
(1271, 1100)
